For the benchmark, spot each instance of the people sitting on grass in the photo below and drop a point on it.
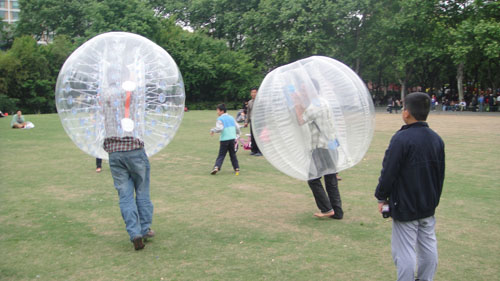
(462, 105)
(18, 121)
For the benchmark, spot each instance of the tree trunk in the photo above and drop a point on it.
(460, 81)
(403, 88)
(358, 62)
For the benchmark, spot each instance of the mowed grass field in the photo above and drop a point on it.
(60, 220)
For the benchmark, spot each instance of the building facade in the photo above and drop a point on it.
(9, 10)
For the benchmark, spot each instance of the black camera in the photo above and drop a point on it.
(386, 210)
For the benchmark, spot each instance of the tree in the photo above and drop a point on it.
(487, 35)
(6, 35)
(9, 67)
(211, 71)
(474, 30)
(115, 15)
(28, 77)
(44, 18)
(281, 32)
(387, 42)
(220, 19)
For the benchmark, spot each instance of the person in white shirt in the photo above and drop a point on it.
(462, 105)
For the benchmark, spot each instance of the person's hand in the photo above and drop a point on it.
(246, 125)
(211, 133)
(380, 207)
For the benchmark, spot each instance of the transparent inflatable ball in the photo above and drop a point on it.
(120, 84)
(313, 117)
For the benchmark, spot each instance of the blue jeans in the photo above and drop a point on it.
(130, 171)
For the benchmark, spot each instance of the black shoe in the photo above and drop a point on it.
(258, 154)
(138, 245)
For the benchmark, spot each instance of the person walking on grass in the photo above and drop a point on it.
(313, 111)
(254, 148)
(130, 170)
(98, 165)
(228, 129)
(411, 182)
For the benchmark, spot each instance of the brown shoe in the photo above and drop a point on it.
(138, 245)
(324, 215)
(214, 171)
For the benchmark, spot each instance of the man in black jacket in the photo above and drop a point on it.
(411, 181)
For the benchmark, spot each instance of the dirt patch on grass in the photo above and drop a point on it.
(67, 193)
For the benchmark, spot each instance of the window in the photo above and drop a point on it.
(2, 4)
(15, 15)
(15, 4)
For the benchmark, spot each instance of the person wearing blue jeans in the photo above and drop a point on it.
(129, 166)
(130, 171)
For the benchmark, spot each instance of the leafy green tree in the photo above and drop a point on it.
(6, 35)
(406, 42)
(211, 71)
(221, 19)
(30, 83)
(411, 33)
(474, 34)
(487, 35)
(115, 15)
(28, 74)
(9, 68)
(82, 19)
(280, 32)
(42, 18)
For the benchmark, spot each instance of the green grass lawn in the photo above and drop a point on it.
(59, 220)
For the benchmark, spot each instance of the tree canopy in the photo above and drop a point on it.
(225, 47)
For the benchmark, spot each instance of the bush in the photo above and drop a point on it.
(211, 105)
(7, 104)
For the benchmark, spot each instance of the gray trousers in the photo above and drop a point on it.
(414, 246)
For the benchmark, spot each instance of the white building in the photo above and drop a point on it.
(9, 10)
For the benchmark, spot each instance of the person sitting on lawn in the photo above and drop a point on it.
(18, 121)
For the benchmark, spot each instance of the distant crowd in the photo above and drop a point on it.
(483, 101)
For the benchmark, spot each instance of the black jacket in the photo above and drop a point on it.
(412, 172)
